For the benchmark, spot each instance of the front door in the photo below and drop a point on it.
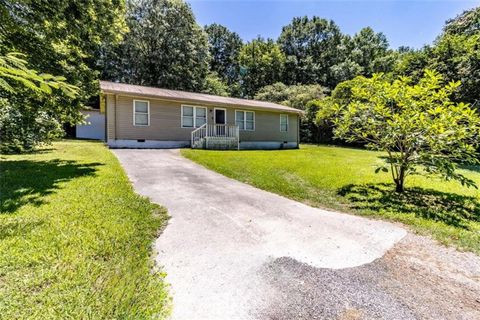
(220, 121)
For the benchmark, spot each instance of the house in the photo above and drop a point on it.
(147, 117)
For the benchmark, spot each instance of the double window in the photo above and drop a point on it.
(141, 113)
(245, 120)
(193, 117)
(284, 122)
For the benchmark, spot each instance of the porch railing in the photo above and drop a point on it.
(202, 134)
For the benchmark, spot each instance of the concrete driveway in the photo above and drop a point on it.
(223, 237)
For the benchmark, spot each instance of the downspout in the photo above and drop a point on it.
(104, 98)
(298, 131)
(115, 118)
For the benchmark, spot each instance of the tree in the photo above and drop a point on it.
(457, 57)
(311, 47)
(467, 23)
(164, 48)
(30, 108)
(63, 37)
(455, 54)
(224, 47)
(296, 96)
(262, 62)
(368, 48)
(421, 130)
(214, 85)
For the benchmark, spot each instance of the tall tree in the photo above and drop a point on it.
(467, 23)
(457, 58)
(262, 63)
(311, 47)
(165, 47)
(296, 96)
(368, 50)
(31, 108)
(62, 37)
(224, 47)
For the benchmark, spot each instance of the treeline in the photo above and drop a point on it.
(159, 43)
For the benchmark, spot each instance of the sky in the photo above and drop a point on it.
(404, 22)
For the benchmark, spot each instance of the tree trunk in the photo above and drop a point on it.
(399, 182)
(399, 186)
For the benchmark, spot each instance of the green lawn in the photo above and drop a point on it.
(75, 240)
(344, 179)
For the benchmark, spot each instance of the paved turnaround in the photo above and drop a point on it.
(224, 236)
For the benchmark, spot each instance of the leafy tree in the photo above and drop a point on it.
(421, 130)
(224, 47)
(467, 23)
(164, 48)
(297, 96)
(345, 70)
(457, 57)
(63, 37)
(368, 48)
(311, 47)
(30, 105)
(262, 62)
(214, 85)
(455, 54)
(411, 62)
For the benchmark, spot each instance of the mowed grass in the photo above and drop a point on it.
(344, 179)
(75, 240)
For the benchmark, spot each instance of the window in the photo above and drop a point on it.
(141, 113)
(193, 116)
(284, 122)
(245, 120)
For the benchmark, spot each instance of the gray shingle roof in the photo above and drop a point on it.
(184, 96)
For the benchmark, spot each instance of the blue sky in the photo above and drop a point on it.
(404, 22)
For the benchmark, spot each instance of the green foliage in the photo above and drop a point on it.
(214, 85)
(263, 64)
(368, 48)
(30, 109)
(76, 240)
(457, 58)
(455, 54)
(63, 37)
(467, 23)
(311, 47)
(418, 126)
(297, 96)
(165, 47)
(342, 179)
(224, 47)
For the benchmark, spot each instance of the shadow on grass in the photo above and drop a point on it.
(471, 168)
(449, 208)
(27, 182)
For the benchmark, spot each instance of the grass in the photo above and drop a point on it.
(344, 179)
(75, 240)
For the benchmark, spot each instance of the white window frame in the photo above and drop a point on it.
(194, 115)
(286, 115)
(135, 112)
(245, 119)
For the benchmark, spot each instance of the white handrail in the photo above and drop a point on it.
(216, 131)
(198, 134)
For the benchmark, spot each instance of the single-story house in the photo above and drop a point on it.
(147, 117)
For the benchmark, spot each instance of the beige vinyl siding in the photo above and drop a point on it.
(165, 122)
